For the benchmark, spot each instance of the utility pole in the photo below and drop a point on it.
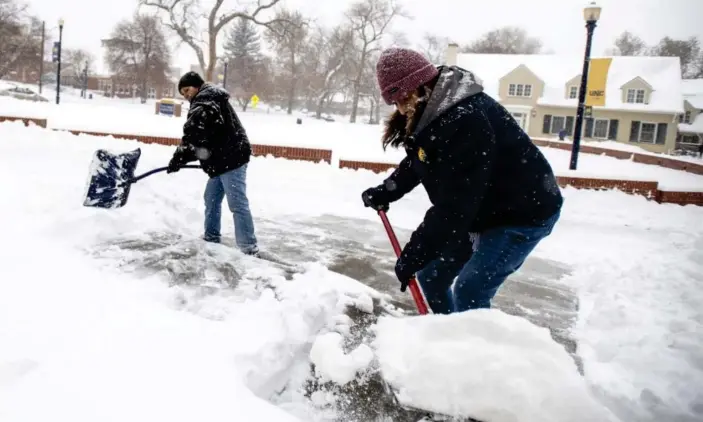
(41, 56)
(58, 62)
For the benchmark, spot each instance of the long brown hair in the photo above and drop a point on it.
(399, 126)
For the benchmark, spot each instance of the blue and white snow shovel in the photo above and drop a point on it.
(111, 178)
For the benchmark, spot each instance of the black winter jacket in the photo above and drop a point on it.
(213, 133)
(479, 168)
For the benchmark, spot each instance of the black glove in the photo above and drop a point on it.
(174, 165)
(403, 274)
(376, 198)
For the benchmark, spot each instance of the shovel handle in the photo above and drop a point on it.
(160, 169)
(414, 287)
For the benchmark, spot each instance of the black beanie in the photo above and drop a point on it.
(190, 79)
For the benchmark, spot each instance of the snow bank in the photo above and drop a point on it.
(637, 269)
(483, 364)
(85, 345)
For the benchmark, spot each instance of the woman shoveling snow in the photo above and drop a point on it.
(481, 172)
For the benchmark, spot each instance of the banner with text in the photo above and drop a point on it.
(597, 81)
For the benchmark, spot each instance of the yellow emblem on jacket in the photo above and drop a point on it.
(421, 155)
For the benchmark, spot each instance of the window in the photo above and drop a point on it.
(687, 117)
(151, 93)
(558, 123)
(573, 92)
(648, 133)
(519, 90)
(600, 128)
(552, 125)
(690, 140)
(635, 96)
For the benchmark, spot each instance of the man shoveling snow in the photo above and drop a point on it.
(214, 135)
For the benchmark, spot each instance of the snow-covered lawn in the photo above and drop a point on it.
(81, 339)
(347, 141)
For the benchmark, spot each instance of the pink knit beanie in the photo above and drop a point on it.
(401, 71)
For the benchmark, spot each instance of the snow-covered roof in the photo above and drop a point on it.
(693, 92)
(663, 74)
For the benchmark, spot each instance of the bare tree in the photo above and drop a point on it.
(371, 90)
(288, 35)
(328, 59)
(688, 51)
(506, 40)
(433, 47)
(21, 37)
(184, 18)
(137, 52)
(628, 44)
(369, 19)
(76, 60)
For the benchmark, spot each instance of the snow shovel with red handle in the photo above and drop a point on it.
(413, 284)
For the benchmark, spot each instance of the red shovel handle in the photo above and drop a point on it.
(414, 287)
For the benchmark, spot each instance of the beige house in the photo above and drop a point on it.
(691, 121)
(642, 105)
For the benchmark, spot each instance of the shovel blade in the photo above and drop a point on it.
(110, 178)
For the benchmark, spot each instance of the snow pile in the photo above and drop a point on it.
(483, 364)
(331, 363)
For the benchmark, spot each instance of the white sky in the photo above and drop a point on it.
(558, 23)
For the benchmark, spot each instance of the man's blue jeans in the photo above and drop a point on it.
(233, 185)
(500, 252)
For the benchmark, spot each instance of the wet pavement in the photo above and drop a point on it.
(360, 249)
(356, 248)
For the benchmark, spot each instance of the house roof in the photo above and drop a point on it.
(662, 73)
(693, 92)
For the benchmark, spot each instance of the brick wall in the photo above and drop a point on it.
(292, 153)
(680, 198)
(625, 155)
(375, 167)
(646, 189)
(25, 120)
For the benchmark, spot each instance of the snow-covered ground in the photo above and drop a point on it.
(347, 141)
(82, 337)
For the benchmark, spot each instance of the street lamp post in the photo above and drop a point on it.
(58, 63)
(85, 81)
(591, 14)
(224, 80)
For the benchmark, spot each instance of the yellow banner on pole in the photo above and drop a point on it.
(597, 81)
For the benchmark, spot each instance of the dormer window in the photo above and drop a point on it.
(573, 92)
(519, 90)
(635, 96)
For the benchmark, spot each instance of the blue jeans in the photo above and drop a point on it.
(500, 253)
(233, 185)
